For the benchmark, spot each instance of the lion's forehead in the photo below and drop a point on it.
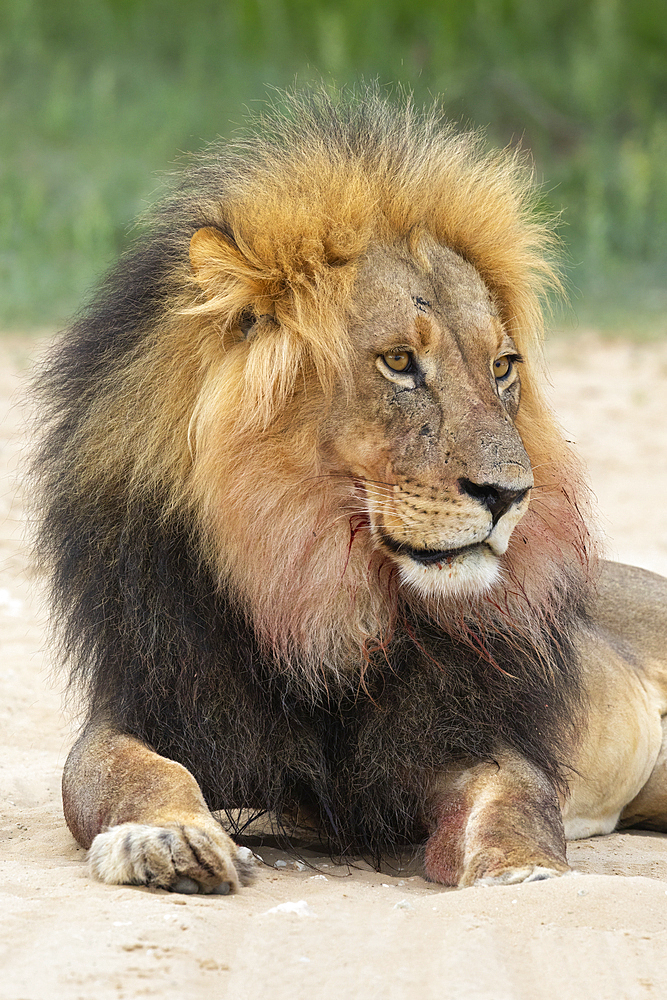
(395, 288)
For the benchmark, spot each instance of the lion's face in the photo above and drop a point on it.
(384, 395)
(429, 439)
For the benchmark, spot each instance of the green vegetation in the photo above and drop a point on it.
(98, 97)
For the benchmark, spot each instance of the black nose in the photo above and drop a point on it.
(496, 499)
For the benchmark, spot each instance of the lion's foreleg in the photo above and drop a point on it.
(144, 818)
(496, 822)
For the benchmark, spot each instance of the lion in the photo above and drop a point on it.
(318, 547)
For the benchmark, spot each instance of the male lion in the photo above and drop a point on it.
(318, 547)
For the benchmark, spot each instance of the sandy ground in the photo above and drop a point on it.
(355, 933)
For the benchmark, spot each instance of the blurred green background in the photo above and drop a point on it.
(99, 97)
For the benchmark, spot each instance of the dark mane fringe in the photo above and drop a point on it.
(168, 658)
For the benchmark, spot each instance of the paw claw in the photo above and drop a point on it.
(221, 890)
(188, 886)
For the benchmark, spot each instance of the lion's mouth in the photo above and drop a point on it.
(428, 557)
(466, 570)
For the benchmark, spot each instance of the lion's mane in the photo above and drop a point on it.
(216, 594)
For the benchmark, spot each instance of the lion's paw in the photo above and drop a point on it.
(530, 873)
(178, 857)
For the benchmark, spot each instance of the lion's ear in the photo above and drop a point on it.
(216, 262)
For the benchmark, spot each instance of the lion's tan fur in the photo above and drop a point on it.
(200, 416)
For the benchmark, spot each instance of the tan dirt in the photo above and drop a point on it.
(599, 935)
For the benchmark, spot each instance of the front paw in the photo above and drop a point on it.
(179, 857)
(527, 873)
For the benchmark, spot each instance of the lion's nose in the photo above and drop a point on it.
(496, 499)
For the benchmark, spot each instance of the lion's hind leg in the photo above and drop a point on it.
(496, 823)
(648, 809)
(144, 819)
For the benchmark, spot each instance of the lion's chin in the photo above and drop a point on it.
(466, 575)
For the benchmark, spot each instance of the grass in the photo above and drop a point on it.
(98, 98)
(625, 299)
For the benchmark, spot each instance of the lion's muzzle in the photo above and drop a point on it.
(460, 545)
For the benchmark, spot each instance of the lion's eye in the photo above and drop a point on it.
(398, 361)
(502, 367)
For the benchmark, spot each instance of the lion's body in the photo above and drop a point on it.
(312, 535)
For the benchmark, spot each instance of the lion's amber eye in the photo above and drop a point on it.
(502, 366)
(398, 361)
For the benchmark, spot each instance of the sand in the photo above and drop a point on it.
(350, 932)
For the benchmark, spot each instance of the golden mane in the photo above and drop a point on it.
(198, 417)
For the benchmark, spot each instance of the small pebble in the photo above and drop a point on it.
(246, 855)
(301, 909)
(12, 606)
